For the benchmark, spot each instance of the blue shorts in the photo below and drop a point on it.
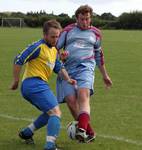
(85, 79)
(38, 93)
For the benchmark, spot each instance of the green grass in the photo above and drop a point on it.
(115, 114)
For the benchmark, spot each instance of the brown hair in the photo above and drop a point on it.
(83, 10)
(51, 24)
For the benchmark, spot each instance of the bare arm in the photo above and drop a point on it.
(66, 77)
(106, 78)
(16, 76)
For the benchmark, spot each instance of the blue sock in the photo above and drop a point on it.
(41, 121)
(53, 129)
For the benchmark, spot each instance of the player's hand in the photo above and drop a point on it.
(72, 81)
(64, 55)
(14, 85)
(107, 81)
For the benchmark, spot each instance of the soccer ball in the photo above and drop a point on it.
(71, 129)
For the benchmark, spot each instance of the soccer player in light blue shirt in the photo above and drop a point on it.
(82, 44)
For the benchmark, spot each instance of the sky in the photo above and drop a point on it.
(116, 7)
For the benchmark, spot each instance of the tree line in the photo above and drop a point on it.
(132, 20)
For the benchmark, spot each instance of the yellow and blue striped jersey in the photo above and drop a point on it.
(41, 60)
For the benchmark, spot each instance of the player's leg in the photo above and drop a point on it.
(53, 128)
(73, 106)
(44, 100)
(67, 93)
(85, 89)
(47, 103)
(83, 96)
(28, 132)
(85, 132)
(74, 109)
(33, 92)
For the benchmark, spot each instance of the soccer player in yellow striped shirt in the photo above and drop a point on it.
(41, 60)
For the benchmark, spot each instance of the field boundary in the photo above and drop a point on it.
(117, 138)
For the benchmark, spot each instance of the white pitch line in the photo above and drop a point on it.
(15, 118)
(122, 139)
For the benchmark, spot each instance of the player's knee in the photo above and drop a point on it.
(84, 96)
(55, 111)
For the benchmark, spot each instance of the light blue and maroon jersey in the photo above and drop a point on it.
(84, 47)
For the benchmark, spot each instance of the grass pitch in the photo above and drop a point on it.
(116, 114)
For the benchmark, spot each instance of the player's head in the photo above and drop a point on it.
(83, 16)
(51, 31)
